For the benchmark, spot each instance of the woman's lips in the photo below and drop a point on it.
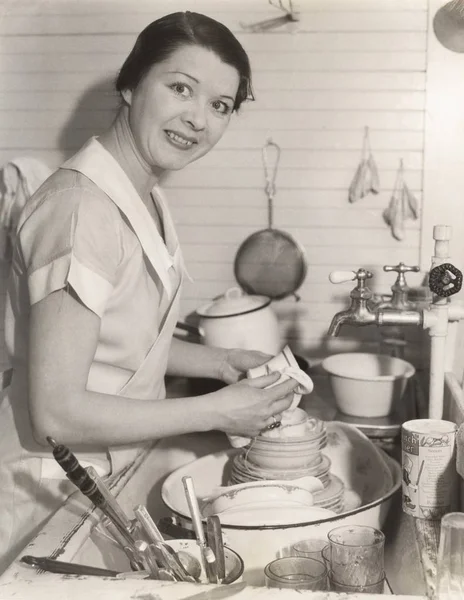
(179, 140)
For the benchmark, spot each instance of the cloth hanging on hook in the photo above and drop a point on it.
(403, 205)
(366, 178)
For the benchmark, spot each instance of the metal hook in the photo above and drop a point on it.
(289, 17)
(270, 176)
(280, 5)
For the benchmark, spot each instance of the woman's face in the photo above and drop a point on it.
(182, 107)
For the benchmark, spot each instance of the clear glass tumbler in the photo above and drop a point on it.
(450, 563)
(356, 555)
(311, 548)
(372, 588)
(296, 572)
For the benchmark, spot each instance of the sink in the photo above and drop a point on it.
(71, 535)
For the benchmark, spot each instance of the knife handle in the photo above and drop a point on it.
(216, 543)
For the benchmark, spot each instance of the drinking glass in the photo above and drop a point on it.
(372, 588)
(356, 555)
(450, 563)
(311, 548)
(296, 572)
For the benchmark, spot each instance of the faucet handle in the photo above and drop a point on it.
(342, 276)
(401, 268)
(345, 276)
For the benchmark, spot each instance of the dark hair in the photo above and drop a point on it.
(165, 35)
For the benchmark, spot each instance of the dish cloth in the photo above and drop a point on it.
(19, 179)
(305, 386)
(403, 205)
(460, 451)
(366, 178)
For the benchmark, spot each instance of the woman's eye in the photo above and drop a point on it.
(221, 107)
(181, 89)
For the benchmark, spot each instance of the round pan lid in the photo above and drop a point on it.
(234, 302)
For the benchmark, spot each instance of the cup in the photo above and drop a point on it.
(428, 464)
(311, 548)
(450, 562)
(373, 588)
(277, 363)
(296, 572)
(356, 555)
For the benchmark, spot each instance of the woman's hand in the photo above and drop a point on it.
(236, 363)
(246, 408)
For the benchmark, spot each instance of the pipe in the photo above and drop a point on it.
(439, 329)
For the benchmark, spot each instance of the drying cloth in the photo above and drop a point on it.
(19, 179)
(460, 451)
(366, 178)
(305, 386)
(403, 205)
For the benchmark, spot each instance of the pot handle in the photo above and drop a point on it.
(167, 526)
(198, 331)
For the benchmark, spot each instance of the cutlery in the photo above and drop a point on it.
(147, 524)
(215, 541)
(58, 566)
(207, 555)
(171, 561)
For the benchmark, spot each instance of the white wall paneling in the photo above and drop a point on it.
(345, 65)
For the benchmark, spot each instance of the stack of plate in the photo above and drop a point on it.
(332, 496)
(243, 471)
(267, 458)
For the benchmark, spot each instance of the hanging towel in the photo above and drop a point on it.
(19, 179)
(366, 178)
(403, 205)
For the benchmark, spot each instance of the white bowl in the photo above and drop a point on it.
(367, 385)
(287, 461)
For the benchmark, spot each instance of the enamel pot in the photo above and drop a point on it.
(239, 320)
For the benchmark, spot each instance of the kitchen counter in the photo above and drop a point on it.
(67, 534)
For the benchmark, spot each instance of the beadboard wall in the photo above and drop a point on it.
(345, 65)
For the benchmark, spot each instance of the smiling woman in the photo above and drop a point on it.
(183, 103)
(96, 280)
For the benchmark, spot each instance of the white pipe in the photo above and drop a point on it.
(439, 329)
(438, 334)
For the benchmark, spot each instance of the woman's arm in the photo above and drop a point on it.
(63, 341)
(196, 360)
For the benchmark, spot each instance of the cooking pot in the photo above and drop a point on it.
(363, 468)
(238, 320)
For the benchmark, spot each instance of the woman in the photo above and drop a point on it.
(96, 280)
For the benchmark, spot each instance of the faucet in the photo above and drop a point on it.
(398, 299)
(444, 280)
(362, 310)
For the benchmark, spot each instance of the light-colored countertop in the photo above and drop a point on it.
(69, 529)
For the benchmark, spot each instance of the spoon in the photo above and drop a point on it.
(190, 563)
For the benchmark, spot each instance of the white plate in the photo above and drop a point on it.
(275, 515)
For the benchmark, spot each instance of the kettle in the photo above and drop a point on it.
(240, 320)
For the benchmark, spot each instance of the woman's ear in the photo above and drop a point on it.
(127, 96)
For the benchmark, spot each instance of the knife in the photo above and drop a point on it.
(58, 566)
(214, 539)
(219, 592)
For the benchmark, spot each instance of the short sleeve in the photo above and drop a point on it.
(72, 236)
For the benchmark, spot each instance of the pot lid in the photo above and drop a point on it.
(234, 302)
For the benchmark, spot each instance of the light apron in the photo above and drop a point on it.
(43, 486)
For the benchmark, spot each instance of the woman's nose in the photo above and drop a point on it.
(195, 116)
